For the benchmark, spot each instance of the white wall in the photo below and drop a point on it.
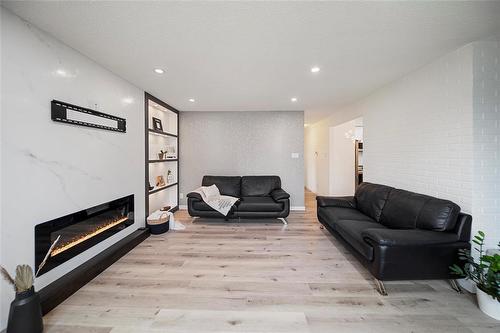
(316, 155)
(434, 131)
(418, 131)
(342, 158)
(243, 143)
(317, 150)
(486, 129)
(51, 169)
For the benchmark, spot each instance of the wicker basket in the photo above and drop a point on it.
(159, 225)
(162, 219)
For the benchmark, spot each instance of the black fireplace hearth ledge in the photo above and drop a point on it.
(56, 292)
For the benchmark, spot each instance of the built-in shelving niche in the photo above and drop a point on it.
(358, 162)
(166, 139)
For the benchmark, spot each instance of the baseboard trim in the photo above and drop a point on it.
(55, 293)
(183, 207)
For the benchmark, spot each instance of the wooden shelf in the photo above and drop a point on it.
(162, 188)
(153, 131)
(165, 160)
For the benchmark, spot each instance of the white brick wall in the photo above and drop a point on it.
(486, 104)
(418, 131)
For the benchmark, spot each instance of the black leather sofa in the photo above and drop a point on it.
(260, 197)
(397, 234)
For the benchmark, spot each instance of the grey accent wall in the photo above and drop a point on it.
(243, 143)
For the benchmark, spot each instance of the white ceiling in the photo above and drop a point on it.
(257, 55)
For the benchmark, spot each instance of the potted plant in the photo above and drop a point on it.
(25, 313)
(485, 272)
(161, 155)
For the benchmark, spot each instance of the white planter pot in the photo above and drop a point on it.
(467, 285)
(488, 304)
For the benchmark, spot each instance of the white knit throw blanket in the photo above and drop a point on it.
(212, 197)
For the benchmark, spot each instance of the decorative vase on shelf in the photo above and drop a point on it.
(170, 177)
(25, 313)
(488, 304)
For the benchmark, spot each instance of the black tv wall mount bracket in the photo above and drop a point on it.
(77, 115)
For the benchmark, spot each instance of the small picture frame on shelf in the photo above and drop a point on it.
(160, 181)
(157, 126)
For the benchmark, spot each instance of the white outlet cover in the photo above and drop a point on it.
(295, 155)
(181, 195)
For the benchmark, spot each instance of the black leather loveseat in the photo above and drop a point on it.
(396, 234)
(260, 197)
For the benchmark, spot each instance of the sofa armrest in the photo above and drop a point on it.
(342, 202)
(279, 194)
(194, 195)
(463, 227)
(405, 237)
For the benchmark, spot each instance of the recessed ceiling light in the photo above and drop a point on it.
(159, 71)
(192, 100)
(315, 69)
(293, 99)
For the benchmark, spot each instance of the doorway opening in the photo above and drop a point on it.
(346, 157)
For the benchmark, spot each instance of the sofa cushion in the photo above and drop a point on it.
(259, 204)
(371, 199)
(402, 209)
(351, 231)
(438, 215)
(416, 237)
(227, 185)
(258, 186)
(331, 215)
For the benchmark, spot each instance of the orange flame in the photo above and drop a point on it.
(84, 237)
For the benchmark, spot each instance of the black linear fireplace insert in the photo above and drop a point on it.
(81, 230)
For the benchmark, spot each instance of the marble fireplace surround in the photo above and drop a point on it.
(49, 169)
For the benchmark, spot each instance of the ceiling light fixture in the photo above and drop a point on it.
(192, 100)
(293, 99)
(159, 71)
(315, 69)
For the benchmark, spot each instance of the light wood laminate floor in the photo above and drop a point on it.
(257, 277)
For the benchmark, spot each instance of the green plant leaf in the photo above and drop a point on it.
(455, 269)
